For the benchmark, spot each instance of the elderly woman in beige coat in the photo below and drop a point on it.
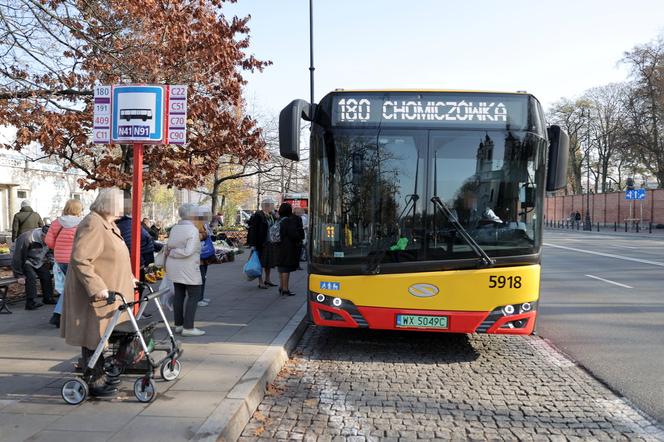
(99, 263)
(183, 253)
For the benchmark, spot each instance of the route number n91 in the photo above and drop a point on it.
(512, 282)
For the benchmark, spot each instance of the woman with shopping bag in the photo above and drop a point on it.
(183, 269)
(258, 238)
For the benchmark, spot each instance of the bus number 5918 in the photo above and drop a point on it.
(513, 282)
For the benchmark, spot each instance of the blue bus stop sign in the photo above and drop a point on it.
(138, 114)
(635, 194)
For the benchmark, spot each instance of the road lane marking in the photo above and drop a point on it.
(610, 282)
(608, 255)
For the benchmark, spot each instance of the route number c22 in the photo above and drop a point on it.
(513, 282)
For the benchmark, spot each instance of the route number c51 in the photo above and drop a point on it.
(513, 282)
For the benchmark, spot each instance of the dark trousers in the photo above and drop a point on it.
(98, 377)
(204, 268)
(31, 276)
(184, 313)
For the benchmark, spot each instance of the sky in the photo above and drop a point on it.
(551, 49)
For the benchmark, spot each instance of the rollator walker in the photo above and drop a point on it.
(137, 332)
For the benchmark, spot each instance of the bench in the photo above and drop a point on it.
(4, 288)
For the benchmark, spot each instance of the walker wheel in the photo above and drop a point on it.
(144, 389)
(170, 369)
(74, 391)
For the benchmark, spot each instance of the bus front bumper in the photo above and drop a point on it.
(519, 319)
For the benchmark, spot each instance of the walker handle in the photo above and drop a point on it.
(111, 298)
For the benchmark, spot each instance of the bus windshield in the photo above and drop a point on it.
(373, 193)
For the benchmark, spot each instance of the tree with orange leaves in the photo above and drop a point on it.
(55, 51)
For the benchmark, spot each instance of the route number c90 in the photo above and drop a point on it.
(513, 282)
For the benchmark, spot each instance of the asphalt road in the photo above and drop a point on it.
(602, 303)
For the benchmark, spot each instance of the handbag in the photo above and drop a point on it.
(59, 279)
(160, 258)
(167, 298)
(253, 268)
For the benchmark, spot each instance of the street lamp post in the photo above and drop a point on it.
(587, 223)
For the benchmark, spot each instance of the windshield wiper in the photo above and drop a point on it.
(485, 260)
(373, 265)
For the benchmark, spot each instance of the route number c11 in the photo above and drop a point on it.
(513, 282)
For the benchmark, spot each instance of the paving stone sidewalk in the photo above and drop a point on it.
(241, 322)
(358, 385)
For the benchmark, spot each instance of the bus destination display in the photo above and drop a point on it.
(430, 109)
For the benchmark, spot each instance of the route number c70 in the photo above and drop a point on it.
(513, 282)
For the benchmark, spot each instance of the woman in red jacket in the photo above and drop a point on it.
(60, 238)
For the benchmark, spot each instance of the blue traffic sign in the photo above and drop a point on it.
(635, 194)
(138, 113)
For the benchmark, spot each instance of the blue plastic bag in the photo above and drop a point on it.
(207, 248)
(253, 268)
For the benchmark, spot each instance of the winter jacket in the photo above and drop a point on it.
(99, 261)
(183, 254)
(258, 230)
(147, 243)
(60, 237)
(26, 219)
(30, 250)
(290, 247)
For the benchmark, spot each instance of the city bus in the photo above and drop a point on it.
(425, 207)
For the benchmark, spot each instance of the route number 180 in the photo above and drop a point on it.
(353, 110)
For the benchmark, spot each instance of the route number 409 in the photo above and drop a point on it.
(513, 282)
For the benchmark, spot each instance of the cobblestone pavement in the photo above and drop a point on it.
(368, 385)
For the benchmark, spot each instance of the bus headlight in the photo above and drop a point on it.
(508, 309)
(320, 297)
(526, 307)
(337, 302)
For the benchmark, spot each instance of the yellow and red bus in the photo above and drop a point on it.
(425, 207)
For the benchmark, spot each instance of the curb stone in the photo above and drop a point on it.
(234, 412)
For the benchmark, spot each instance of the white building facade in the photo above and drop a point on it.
(44, 183)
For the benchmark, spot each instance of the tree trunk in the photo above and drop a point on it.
(576, 175)
(215, 191)
(660, 178)
(605, 173)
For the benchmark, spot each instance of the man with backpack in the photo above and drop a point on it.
(31, 263)
(24, 220)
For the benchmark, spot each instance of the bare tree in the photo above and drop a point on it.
(607, 117)
(645, 105)
(570, 115)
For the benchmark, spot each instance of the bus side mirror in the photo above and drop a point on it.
(556, 177)
(290, 118)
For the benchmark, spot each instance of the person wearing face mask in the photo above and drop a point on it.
(99, 264)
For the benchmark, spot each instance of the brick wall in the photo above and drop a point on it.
(607, 208)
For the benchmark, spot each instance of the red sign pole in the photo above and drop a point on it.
(136, 201)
